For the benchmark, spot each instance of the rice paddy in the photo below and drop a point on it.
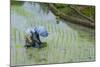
(66, 42)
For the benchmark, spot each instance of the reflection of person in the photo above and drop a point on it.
(32, 36)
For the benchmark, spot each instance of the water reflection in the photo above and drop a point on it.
(64, 44)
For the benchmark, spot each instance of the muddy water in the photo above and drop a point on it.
(65, 43)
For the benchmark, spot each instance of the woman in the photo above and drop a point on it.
(32, 37)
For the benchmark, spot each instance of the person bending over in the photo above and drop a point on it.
(32, 36)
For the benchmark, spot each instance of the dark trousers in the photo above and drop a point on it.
(35, 41)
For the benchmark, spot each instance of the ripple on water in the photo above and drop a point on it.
(63, 43)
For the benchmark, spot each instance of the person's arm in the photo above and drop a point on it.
(29, 39)
(28, 35)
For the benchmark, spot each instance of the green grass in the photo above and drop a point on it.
(21, 11)
(90, 11)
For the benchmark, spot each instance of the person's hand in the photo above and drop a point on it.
(30, 41)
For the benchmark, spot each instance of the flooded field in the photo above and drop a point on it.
(66, 42)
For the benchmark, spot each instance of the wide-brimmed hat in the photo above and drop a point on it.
(41, 30)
